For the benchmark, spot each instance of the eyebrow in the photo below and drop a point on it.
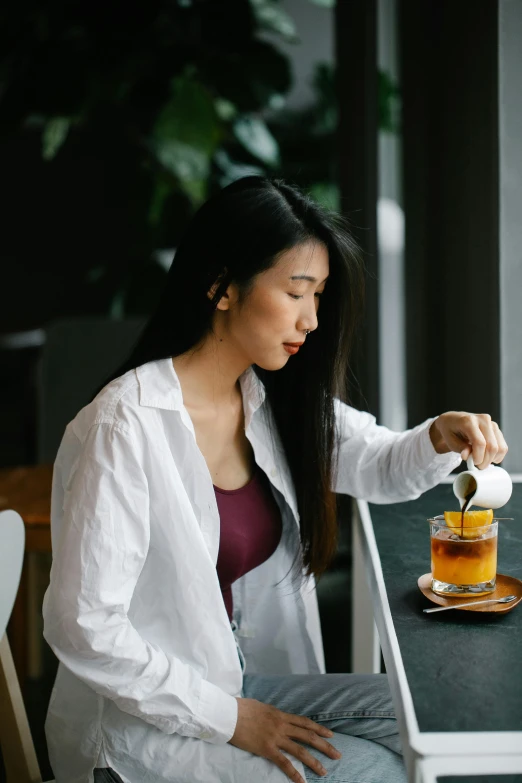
(308, 278)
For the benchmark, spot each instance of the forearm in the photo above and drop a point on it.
(105, 651)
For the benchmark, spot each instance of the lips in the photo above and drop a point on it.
(292, 348)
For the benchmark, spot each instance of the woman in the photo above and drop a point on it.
(193, 507)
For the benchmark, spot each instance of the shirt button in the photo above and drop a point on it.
(205, 735)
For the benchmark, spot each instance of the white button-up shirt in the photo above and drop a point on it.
(149, 665)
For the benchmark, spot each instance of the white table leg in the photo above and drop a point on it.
(366, 651)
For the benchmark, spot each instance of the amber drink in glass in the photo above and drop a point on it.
(463, 564)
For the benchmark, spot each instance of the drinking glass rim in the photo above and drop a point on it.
(441, 522)
(438, 520)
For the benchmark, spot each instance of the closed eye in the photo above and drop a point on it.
(296, 296)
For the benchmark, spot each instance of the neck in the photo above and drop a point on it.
(209, 374)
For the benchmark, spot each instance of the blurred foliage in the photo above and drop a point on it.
(307, 137)
(119, 119)
(159, 72)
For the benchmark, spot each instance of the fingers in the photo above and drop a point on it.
(310, 737)
(496, 447)
(308, 723)
(475, 438)
(288, 768)
(486, 444)
(311, 733)
(304, 756)
(464, 453)
(489, 446)
(502, 445)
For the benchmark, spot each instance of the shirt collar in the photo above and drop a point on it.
(160, 388)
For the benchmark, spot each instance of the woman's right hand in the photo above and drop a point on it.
(266, 731)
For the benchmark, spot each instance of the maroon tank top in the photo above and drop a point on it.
(250, 530)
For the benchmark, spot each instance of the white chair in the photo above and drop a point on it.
(18, 752)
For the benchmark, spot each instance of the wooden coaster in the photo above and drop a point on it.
(506, 585)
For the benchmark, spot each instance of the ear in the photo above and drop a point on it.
(228, 298)
(212, 291)
(225, 297)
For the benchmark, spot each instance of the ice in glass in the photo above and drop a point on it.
(463, 559)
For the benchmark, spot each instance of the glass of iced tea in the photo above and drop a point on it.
(463, 564)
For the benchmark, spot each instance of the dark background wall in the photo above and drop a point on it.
(450, 142)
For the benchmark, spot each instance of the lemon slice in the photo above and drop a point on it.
(472, 519)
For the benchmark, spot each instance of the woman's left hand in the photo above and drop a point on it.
(472, 434)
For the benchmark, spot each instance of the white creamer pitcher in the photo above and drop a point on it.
(491, 487)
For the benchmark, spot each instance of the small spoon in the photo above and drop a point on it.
(506, 600)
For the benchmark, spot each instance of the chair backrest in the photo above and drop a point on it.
(12, 542)
(77, 357)
(18, 752)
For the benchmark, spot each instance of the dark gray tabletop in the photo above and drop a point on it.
(464, 669)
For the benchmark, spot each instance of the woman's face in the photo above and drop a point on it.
(281, 305)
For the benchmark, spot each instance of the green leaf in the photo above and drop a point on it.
(191, 167)
(181, 159)
(186, 134)
(161, 192)
(225, 110)
(190, 116)
(54, 134)
(255, 137)
(196, 190)
(270, 16)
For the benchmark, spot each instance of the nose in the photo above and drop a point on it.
(308, 318)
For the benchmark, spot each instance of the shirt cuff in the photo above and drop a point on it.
(217, 714)
(442, 464)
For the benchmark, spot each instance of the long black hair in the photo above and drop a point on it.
(235, 235)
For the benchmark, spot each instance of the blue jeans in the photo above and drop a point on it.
(357, 707)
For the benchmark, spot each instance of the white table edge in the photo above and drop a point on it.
(430, 770)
